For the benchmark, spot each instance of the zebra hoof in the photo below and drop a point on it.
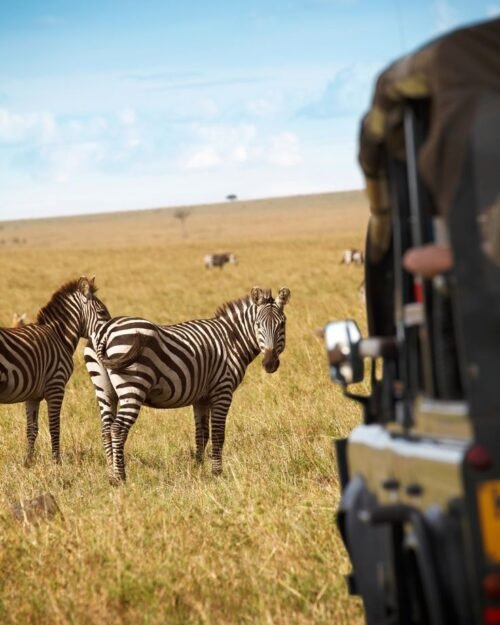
(197, 456)
(216, 471)
(116, 481)
(28, 462)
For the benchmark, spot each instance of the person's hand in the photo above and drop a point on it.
(428, 260)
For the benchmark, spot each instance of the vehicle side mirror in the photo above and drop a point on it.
(342, 340)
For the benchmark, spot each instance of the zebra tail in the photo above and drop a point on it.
(124, 361)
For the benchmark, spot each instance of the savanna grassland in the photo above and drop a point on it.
(176, 545)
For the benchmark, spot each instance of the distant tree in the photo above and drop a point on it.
(231, 197)
(182, 214)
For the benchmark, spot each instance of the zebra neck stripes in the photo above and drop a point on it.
(238, 320)
(74, 312)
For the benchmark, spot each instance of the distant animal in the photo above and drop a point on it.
(18, 321)
(352, 257)
(134, 362)
(36, 360)
(219, 260)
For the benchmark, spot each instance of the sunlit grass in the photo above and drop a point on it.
(175, 545)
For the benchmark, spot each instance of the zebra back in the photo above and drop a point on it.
(245, 327)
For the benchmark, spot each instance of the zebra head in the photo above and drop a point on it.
(94, 312)
(270, 325)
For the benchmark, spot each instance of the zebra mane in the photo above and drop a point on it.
(235, 304)
(66, 289)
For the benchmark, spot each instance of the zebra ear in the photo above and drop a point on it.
(85, 287)
(283, 297)
(256, 295)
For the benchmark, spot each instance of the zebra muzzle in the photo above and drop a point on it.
(270, 362)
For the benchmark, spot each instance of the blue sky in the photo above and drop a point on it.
(116, 105)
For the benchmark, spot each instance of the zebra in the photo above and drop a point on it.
(219, 260)
(134, 362)
(36, 360)
(352, 256)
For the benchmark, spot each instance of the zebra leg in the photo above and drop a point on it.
(106, 398)
(120, 427)
(54, 403)
(32, 408)
(218, 422)
(202, 433)
(108, 413)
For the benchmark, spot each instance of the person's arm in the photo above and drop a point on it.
(428, 260)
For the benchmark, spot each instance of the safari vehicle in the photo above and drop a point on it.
(420, 477)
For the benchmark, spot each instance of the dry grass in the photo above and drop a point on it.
(176, 545)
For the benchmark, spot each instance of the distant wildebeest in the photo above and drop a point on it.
(36, 360)
(219, 260)
(352, 256)
(18, 321)
(133, 362)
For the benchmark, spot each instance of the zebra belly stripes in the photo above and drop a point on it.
(30, 363)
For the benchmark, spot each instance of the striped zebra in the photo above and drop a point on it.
(36, 360)
(198, 363)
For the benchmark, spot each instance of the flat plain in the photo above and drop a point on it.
(176, 545)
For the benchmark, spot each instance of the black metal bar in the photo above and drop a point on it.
(421, 232)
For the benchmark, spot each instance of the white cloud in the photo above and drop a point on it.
(226, 136)
(225, 146)
(39, 145)
(207, 108)
(127, 117)
(67, 163)
(347, 94)
(203, 158)
(261, 107)
(285, 150)
(240, 154)
(20, 127)
(219, 144)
